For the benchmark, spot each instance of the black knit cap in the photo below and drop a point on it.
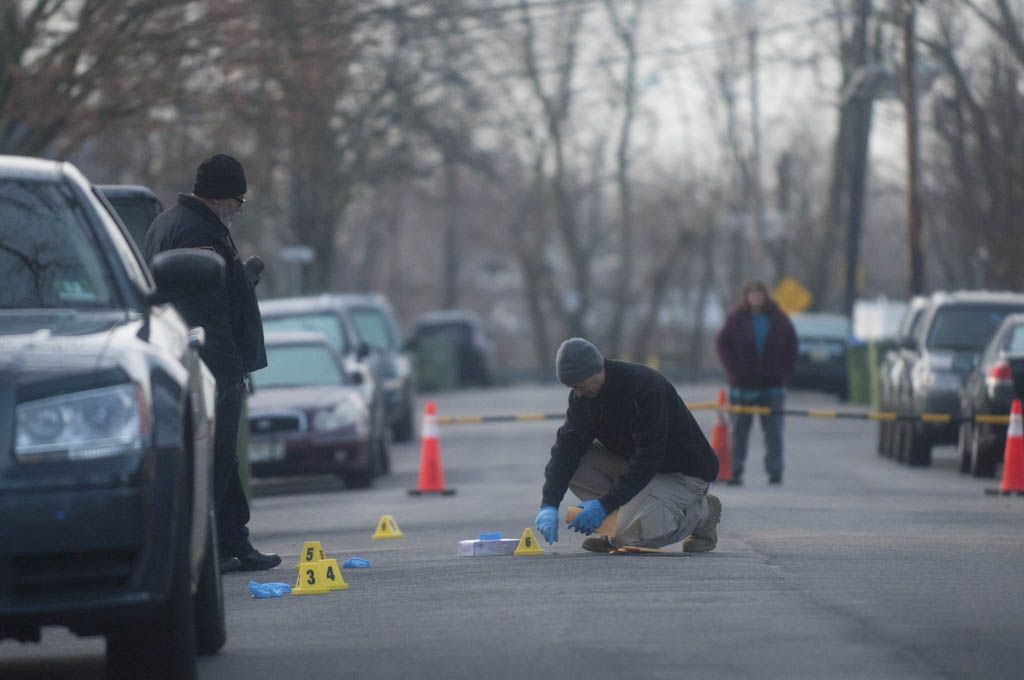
(220, 176)
(576, 360)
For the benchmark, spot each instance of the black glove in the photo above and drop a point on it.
(253, 268)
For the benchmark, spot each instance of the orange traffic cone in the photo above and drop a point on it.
(1013, 455)
(720, 440)
(431, 477)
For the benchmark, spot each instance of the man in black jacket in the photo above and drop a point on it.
(230, 316)
(629, 444)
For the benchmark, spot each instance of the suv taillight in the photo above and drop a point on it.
(1000, 373)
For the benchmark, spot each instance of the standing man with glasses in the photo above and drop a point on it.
(230, 316)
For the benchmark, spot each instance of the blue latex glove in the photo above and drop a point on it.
(355, 563)
(268, 589)
(590, 518)
(547, 523)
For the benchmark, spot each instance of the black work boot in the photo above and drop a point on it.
(254, 560)
(597, 544)
(705, 536)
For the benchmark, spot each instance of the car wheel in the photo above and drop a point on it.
(918, 448)
(384, 453)
(361, 479)
(985, 457)
(900, 437)
(964, 436)
(211, 631)
(163, 643)
(404, 428)
(882, 444)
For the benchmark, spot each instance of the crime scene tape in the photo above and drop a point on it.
(752, 410)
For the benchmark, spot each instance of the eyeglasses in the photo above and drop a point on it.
(239, 199)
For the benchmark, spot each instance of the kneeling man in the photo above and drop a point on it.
(629, 444)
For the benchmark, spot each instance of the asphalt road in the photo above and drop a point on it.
(855, 567)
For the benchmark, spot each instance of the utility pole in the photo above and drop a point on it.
(755, 124)
(915, 270)
(860, 103)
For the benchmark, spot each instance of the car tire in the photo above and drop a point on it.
(918, 448)
(362, 479)
(882, 444)
(405, 426)
(985, 457)
(964, 446)
(163, 643)
(211, 629)
(900, 437)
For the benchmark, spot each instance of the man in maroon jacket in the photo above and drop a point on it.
(757, 346)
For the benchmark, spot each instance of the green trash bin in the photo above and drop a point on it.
(876, 354)
(858, 373)
(437, 366)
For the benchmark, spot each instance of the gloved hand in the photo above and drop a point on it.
(590, 518)
(547, 523)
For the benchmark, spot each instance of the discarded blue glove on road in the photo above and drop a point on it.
(590, 517)
(547, 523)
(355, 563)
(269, 589)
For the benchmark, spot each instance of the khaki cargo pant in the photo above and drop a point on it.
(665, 511)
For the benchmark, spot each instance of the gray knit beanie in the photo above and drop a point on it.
(576, 360)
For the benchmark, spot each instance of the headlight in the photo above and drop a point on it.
(93, 424)
(347, 413)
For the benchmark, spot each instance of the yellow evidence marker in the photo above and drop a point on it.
(312, 551)
(312, 580)
(332, 575)
(387, 528)
(528, 544)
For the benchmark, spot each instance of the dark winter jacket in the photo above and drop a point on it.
(229, 314)
(738, 354)
(639, 416)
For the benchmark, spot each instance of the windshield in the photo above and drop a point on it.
(136, 213)
(373, 328)
(966, 328)
(1016, 341)
(811, 326)
(48, 259)
(298, 366)
(318, 323)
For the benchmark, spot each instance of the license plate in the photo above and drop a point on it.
(819, 354)
(264, 451)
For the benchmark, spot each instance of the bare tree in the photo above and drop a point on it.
(625, 29)
(69, 70)
(978, 161)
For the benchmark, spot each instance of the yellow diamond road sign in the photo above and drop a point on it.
(791, 296)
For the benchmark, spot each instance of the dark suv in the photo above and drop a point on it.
(377, 326)
(894, 366)
(945, 344)
(328, 315)
(136, 205)
(106, 422)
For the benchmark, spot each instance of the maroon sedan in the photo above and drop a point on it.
(308, 416)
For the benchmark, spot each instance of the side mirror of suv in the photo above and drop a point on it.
(183, 272)
(908, 342)
(363, 350)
